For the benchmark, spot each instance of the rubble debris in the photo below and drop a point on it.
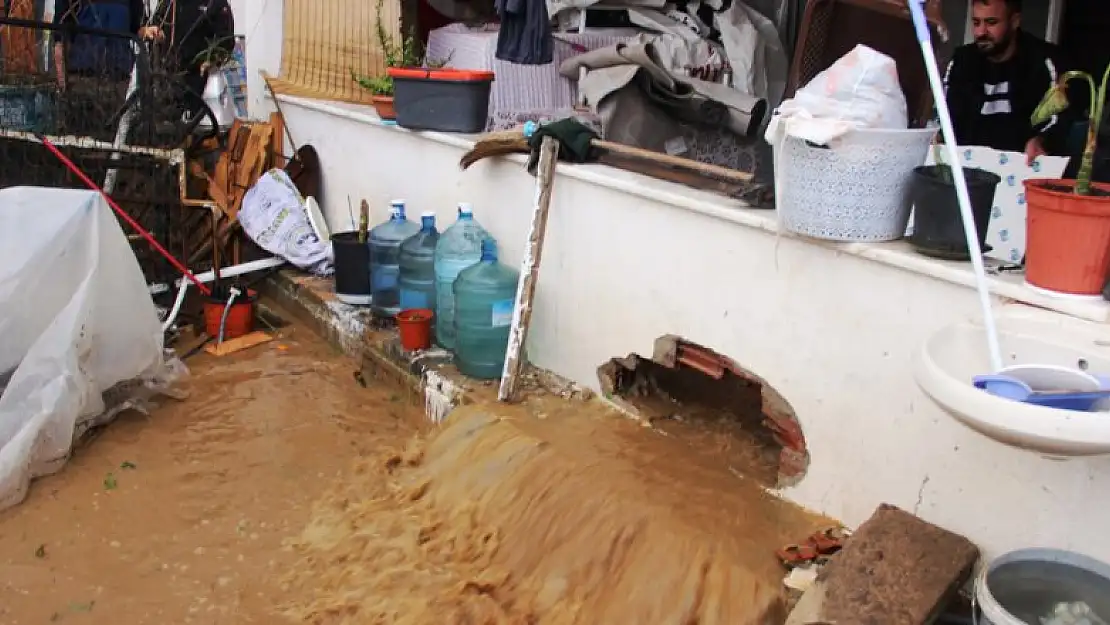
(895, 570)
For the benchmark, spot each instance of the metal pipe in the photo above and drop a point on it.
(208, 276)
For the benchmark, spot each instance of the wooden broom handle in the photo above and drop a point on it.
(674, 162)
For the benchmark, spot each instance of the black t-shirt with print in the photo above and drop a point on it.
(991, 103)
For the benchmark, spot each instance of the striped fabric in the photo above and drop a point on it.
(518, 88)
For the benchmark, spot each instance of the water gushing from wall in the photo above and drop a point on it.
(578, 518)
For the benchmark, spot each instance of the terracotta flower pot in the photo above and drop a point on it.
(1067, 246)
(416, 328)
(383, 104)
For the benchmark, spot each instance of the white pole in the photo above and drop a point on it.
(124, 127)
(529, 271)
(922, 28)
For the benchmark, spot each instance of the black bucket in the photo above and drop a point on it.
(352, 269)
(938, 228)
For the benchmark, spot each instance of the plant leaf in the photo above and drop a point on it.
(1053, 103)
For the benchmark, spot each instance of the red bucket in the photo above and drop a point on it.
(240, 319)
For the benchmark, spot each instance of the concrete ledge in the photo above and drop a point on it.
(1006, 286)
(429, 378)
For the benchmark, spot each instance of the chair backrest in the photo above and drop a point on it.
(831, 28)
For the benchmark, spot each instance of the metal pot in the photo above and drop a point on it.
(217, 95)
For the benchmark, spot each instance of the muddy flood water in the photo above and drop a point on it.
(282, 491)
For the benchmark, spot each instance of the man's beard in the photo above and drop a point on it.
(994, 48)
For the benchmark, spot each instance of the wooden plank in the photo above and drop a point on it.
(895, 570)
(529, 270)
(277, 140)
(189, 347)
(250, 168)
(238, 344)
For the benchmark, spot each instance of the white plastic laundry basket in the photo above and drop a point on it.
(855, 190)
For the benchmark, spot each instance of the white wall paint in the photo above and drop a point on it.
(260, 21)
(833, 332)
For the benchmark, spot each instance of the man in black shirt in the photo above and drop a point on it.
(994, 84)
(93, 55)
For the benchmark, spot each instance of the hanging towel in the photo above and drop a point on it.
(525, 35)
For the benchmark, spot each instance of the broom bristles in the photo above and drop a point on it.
(496, 143)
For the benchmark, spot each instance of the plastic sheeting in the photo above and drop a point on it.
(80, 338)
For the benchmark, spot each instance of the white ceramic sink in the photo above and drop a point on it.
(950, 359)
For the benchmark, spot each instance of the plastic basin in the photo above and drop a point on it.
(949, 360)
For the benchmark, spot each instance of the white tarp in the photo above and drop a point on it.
(80, 338)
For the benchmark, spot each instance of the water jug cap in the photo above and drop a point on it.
(465, 208)
(427, 214)
(396, 202)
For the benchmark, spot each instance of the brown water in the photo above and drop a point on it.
(179, 517)
(559, 513)
(582, 517)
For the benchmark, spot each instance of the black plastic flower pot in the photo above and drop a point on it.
(938, 227)
(352, 269)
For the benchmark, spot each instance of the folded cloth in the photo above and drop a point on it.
(574, 139)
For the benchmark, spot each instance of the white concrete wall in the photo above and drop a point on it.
(260, 21)
(834, 333)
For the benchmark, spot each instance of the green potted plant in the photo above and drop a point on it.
(381, 93)
(938, 225)
(1068, 221)
(406, 53)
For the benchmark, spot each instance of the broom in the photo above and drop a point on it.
(639, 160)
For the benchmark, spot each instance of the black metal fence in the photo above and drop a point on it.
(108, 105)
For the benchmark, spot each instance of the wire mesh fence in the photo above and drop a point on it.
(109, 106)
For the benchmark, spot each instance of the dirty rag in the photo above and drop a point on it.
(525, 35)
(643, 103)
(574, 139)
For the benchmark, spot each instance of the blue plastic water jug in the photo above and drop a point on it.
(418, 276)
(484, 297)
(385, 253)
(459, 247)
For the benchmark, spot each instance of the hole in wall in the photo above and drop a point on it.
(692, 392)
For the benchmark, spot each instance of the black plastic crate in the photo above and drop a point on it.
(447, 100)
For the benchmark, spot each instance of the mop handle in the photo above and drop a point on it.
(921, 26)
(128, 218)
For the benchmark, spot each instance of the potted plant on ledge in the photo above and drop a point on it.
(381, 93)
(1068, 221)
(405, 53)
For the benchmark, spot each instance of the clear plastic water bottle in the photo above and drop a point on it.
(418, 277)
(484, 297)
(385, 252)
(459, 247)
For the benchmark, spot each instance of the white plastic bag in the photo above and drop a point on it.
(274, 216)
(80, 338)
(859, 90)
